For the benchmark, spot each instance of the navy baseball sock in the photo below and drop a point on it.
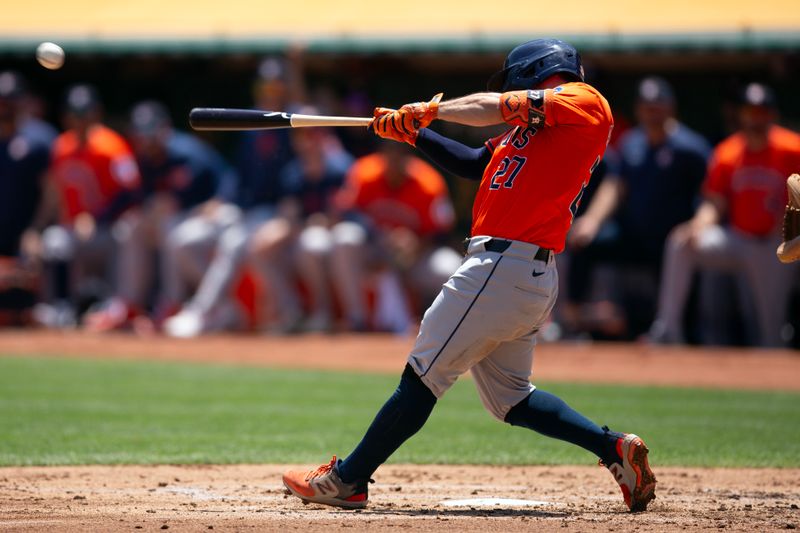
(399, 418)
(549, 415)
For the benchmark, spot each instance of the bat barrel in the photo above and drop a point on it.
(222, 119)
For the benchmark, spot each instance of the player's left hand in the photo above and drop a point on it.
(397, 125)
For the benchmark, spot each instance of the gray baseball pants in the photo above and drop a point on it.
(208, 252)
(485, 319)
(767, 281)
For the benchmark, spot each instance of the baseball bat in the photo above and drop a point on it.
(224, 119)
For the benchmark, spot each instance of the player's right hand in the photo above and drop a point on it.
(397, 125)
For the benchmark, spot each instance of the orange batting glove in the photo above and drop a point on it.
(424, 112)
(404, 124)
(393, 124)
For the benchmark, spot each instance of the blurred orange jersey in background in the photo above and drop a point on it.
(89, 175)
(754, 183)
(419, 200)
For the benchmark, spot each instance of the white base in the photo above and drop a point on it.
(494, 502)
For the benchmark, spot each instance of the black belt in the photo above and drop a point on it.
(501, 245)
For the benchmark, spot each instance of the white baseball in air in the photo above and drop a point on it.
(50, 55)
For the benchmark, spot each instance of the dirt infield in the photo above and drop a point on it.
(130, 498)
(408, 497)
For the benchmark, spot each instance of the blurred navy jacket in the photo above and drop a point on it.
(261, 157)
(662, 182)
(315, 195)
(23, 160)
(192, 171)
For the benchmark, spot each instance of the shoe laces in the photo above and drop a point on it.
(322, 470)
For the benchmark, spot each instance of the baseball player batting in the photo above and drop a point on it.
(487, 315)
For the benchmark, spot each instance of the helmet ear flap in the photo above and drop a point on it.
(530, 70)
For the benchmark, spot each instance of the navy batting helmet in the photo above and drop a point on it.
(530, 63)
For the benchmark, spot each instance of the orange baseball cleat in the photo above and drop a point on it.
(323, 485)
(632, 472)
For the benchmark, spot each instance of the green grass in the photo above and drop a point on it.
(67, 411)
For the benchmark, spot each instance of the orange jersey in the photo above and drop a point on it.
(754, 183)
(419, 203)
(89, 176)
(533, 184)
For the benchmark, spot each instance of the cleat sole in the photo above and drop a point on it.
(645, 490)
(333, 502)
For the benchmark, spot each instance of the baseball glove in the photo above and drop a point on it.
(789, 249)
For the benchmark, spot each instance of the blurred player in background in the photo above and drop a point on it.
(30, 110)
(92, 175)
(653, 186)
(210, 248)
(737, 227)
(24, 158)
(577, 319)
(297, 243)
(179, 172)
(402, 216)
(261, 154)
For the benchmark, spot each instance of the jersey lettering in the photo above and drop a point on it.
(532, 186)
(509, 168)
(521, 138)
(509, 136)
(576, 203)
(595, 164)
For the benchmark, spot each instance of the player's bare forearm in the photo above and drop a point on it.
(479, 109)
(606, 199)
